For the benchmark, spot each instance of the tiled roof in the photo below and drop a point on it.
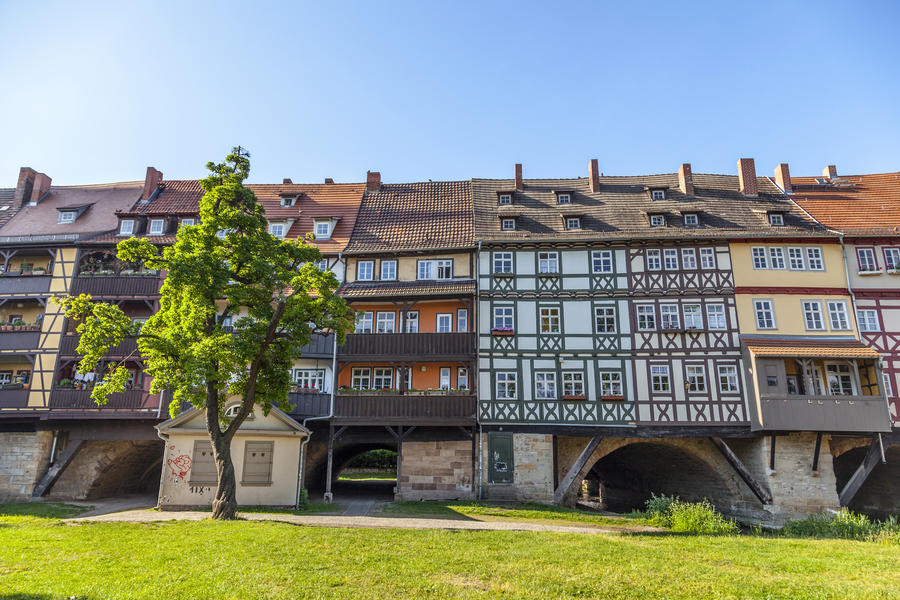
(7, 195)
(621, 206)
(854, 204)
(377, 289)
(810, 348)
(415, 216)
(178, 197)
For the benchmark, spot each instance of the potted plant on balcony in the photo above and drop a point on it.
(6, 327)
(612, 398)
(574, 397)
(39, 271)
(18, 325)
(502, 331)
(64, 383)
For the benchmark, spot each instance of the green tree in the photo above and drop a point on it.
(228, 267)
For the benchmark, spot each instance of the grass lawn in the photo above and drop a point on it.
(367, 477)
(40, 557)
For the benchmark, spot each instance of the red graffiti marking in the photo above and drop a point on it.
(180, 466)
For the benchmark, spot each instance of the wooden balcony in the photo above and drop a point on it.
(409, 346)
(128, 347)
(17, 283)
(412, 409)
(13, 398)
(858, 414)
(309, 404)
(19, 340)
(131, 400)
(116, 285)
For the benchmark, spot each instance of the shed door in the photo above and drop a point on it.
(500, 453)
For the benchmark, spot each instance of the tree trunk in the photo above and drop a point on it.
(224, 505)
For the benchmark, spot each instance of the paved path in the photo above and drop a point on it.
(359, 508)
(148, 516)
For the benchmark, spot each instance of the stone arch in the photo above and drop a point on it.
(103, 469)
(879, 496)
(317, 460)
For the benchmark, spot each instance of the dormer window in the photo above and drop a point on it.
(288, 200)
(322, 229)
(776, 219)
(691, 220)
(233, 410)
(277, 230)
(66, 216)
(573, 222)
(657, 220)
(657, 194)
(508, 224)
(126, 227)
(156, 227)
(504, 199)
(563, 198)
(187, 222)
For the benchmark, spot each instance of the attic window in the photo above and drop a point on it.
(657, 220)
(691, 220)
(233, 410)
(277, 229)
(288, 200)
(187, 222)
(564, 198)
(504, 199)
(657, 194)
(776, 219)
(66, 216)
(127, 227)
(156, 227)
(508, 224)
(573, 223)
(322, 230)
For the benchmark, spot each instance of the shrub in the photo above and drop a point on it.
(845, 524)
(688, 517)
(374, 459)
(304, 497)
(659, 504)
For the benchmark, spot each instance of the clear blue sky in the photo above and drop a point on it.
(95, 92)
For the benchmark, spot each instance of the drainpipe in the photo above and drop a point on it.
(477, 316)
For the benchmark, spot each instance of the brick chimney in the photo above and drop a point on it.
(41, 187)
(830, 171)
(783, 178)
(594, 173)
(287, 181)
(329, 181)
(520, 183)
(24, 186)
(747, 176)
(151, 182)
(373, 181)
(686, 180)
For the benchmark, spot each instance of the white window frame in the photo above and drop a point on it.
(866, 261)
(504, 199)
(365, 270)
(867, 318)
(776, 219)
(288, 201)
(462, 320)
(653, 260)
(564, 198)
(660, 379)
(815, 258)
(277, 230)
(691, 220)
(670, 259)
(695, 377)
(445, 378)
(669, 316)
(840, 371)
(689, 259)
(188, 222)
(605, 315)
(411, 321)
(153, 230)
(123, 230)
(693, 316)
(715, 316)
(645, 317)
(508, 224)
(382, 376)
(892, 259)
(504, 315)
(443, 268)
(385, 321)
(551, 316)
(388, 270)
(796, 258)
(728, 379)
(813, 318)
(365, 322)
(506, 385)
(765, 307)
(573, 383)
(548, 263)
(462, 378)
(443, 323)
(545, 385)
(573, 222)
(604, 260)
(504, 260)
(611, 383)
(657, 220)
(707, 258)
(322, 234)
(309, 378)
(65, 217)
(760, 258)
(838, 315)
(360, 376)
(425, 269)
(776, 258)
(657, 194)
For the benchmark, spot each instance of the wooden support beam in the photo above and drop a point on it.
(772, 453)
(579, 463)
(873, 457)
(758, 489)
(56, 469)
(816, 452)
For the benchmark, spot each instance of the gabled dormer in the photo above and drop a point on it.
(657, 192)
(323, 227)
(564, 196)
(505, 197)
(70, 214)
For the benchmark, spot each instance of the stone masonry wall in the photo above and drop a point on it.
(23, 459)
(436, 471)
(109, 468)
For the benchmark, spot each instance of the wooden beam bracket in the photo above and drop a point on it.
(56, 469)
(874, 456)
(577, 466)
(758, 489)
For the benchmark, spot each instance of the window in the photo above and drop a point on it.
(508, 224)
(444, 378)
(888, 388)
(66, 216)
(187, 222)
(657, 220)
(776, 219)
(360, 378)
(5, 376)
(322, 230)
(707, 258)
(765, 314)
(435, 269)
(776, 258)
(364, 322)
(653, 260)
(258, 463)
(385, 321)
(868, 320)
(444, 323)
(309, 378)
(288, 200)
(688, 258)
(759, 257)
(646, 317)
(658, 195)
(156, 227)
(610, 383)
(796, 261)
(411, 321)
(222, 233)
(503, 262)
(545, 385)
(549, 319)
(383, 379)
(837, 314)
(605, 319)
(365, 270)
(659, 376)
(573, 223)
(814, 259)
(505, 199)
(840, 380)
(548, 262)
(892, 258)
(322, 265)
(506, 385)
(693, 316)
(602, 261)
(425, 269)
(573, 384)
(691, 220)
(715, 316)
(866, 258)
(564, 198)
(696, 378)
(462, 378)
(203, 464)
(812, 315)
(445, 269)
(728, 379)
(277, 229)
(503, 318)
(126, 227)
(462, 319)
(670, 259)
(388, 270)
(669, 316)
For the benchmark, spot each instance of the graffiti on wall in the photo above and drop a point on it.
(180, 466)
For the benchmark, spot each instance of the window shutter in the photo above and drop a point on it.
(258, 463)
(203, 465)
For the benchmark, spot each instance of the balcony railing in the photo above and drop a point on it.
(18, 283)
(374, 346)
(309, 404)
(446, 408)
(13, 398)
(824, 413)
(69, 344)
(19, 340)
(135, 400)
(116, 285)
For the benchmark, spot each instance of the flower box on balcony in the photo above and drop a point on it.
(892, 271)
(574, 397)
(503, 275)
(502, 332)
(612, 398)
(869, 272)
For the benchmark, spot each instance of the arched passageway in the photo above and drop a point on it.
(879, 496)
(104, 469)
(348, 487)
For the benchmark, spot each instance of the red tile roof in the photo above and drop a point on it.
(379, 289)
(854, 204)
(810, 348)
